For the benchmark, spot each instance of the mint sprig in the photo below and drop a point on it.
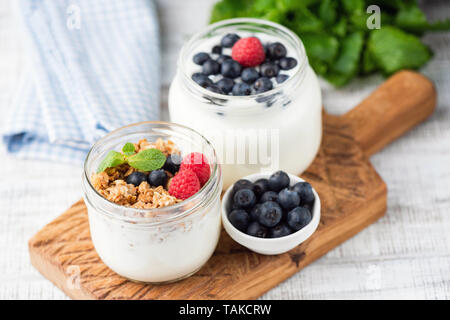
(112, 159)
(128, 149)
(145, 160)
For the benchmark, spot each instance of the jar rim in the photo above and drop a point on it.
(303, 59)
(211, 186)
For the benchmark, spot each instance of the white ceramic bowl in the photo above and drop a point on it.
(271, 246)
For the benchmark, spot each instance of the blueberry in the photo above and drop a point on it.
(281, 78)
(298, 217)
(287, 63)
(263, 84)
(229, 40)
(200, 58)
(276, 51)
(305, 192)
(255, 212)
(271, 214)
(239, 219)
(210, 67)
(280, 230)
(136, 178)
(257, 230)
(241, 89)
(222, 58)
(260, 186)
(172, 163)
(279, 180)
(215, 88)
(269, 69)
(226, 84)
(217, 50)
(249, 75)
(157, 178)
(244, 199)
(230, 69)
(288, 199)
(241, 184)
(201, 79)
(269, 196)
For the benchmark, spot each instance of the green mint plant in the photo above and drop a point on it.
(145, 160)
(336, 36)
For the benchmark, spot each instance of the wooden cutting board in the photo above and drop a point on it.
(352, 193)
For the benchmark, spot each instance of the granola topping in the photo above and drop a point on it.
(111, 183)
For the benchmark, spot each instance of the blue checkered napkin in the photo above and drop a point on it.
(94, 67)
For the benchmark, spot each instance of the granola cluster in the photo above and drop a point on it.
(111, 183)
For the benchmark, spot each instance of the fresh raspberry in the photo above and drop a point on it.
(184, 184)
(198, 163)
(249, 52)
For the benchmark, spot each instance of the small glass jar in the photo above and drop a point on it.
(287, 120)
(155, 245)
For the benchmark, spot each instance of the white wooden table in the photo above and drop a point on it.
(406, 254)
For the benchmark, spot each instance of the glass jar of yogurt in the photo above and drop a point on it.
(278, 129)
(155, 245)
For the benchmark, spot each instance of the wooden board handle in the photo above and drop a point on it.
(400, 103)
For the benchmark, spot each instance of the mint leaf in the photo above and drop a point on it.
(112, 159)
(128, 149)
(147, 160)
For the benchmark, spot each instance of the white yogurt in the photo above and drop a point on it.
(292, 124)
(157, 254)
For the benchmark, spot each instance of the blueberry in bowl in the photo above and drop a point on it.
(270, 213)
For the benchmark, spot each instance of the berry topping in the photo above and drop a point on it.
(225, 84)
(214, 88)
(230, 69)
(241, 89)
(298, 217)
(263, 84)
(217, 50)
(244, 199)
(287, 63)
(210, 67)
(229, 40)
(305, 192)
(249, 75)
(271, 214)
(198, 163)
(269, 196)
(172, 163)
(239, 219)
(276, 51)
(288, 199)
(260, 187)
(249, 52)
(281, 78)
(157, 178)
(279, 180)
(269, 69)
(200, 58)
(223, 58)
(257, 230)
(202, 79)
(280, 230)
(184, 184)
(136, 178)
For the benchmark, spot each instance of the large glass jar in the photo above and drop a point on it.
(280, 128)
(155, 245)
